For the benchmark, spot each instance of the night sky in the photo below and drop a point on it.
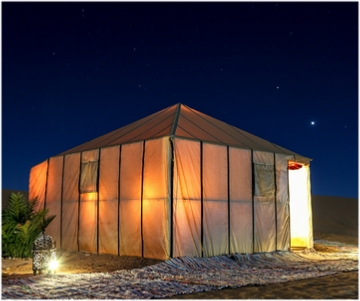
(286, 72)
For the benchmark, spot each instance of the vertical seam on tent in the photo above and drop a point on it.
(61, 200)
(171, 197)
(118, 208)
(142, 197)
(275, 198)
(98, 202)
(78, 230)
(228, 192)
(253, 200)
(202, 199)
(46, 182)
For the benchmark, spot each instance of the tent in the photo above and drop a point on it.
(176, 183)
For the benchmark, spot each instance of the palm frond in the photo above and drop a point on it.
(21, 225)
(16, 209)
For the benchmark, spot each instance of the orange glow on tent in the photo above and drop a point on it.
(37, 183)
(149, 207)
(150, 192)
(89, 196)
(151, 197)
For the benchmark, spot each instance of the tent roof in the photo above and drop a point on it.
(180, 120)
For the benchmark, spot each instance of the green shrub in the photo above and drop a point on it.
(21, 225)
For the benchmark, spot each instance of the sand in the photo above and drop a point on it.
(335, 219)
(338, 286)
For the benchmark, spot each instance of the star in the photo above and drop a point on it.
(312, 122)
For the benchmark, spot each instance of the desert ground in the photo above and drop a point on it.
(334, 219)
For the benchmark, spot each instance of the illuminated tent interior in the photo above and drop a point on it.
(176, 183)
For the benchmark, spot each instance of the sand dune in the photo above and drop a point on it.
(335, 215)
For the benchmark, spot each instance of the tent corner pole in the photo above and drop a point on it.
(141, 200)
(79, 200)
(253, 200)
(275, 203)
(118, 205)
(61, 200)
(228, 196)
(201, 199)
(171, 197)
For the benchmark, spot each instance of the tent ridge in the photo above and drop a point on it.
(101, 143)
(186, 132)
(282, 149)
(191, 123)
(219, 127)
(300, 157)
(203, 131)
(154, 135)
(241, 132)
(126, 126)
(176, 119)
(147, 129)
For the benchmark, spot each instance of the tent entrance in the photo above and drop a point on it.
(300, 206)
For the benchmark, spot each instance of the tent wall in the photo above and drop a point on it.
(160, 198)
(97, 221)
(215, 200)
(282, 202)
(108, 200)
(88, 208)
(187, 199)
(156, 199)
(264, 202)
(215, 208)
(70, 203)
(37, 183)
(53, 196)
(241, 213)
(130, 230)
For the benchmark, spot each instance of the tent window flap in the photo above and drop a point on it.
(89, 177)
(264, 180)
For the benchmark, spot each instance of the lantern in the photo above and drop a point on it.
(44, 256)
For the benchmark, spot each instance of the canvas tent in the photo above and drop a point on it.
(176, 183)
